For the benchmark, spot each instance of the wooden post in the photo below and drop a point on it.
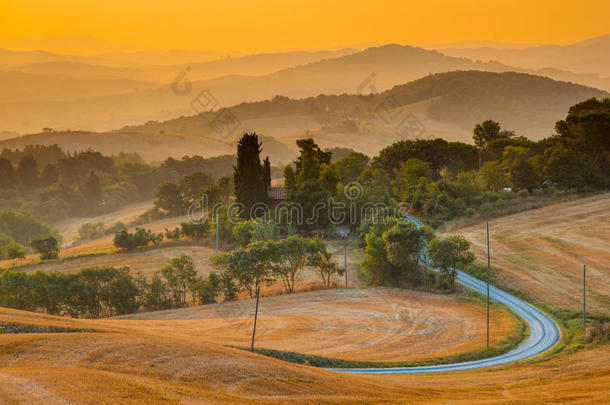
(255, 317)
(584, 297)
(488, 272)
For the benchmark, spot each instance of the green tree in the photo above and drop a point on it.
(7, 174)
(90, 231)
(319, 257)
(92, 191)
(179, 274)
(15, 251)
(449, 254)
(493, 175)
(249, 267)
(170, 199)
(485, 132)
(27, 171)
(248, 173)
(408, 178)
(193, 186)
(46, 246)
(195, 230)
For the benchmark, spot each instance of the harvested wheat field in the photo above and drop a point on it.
(543, 251)
(378, 324)
(113, 364)
(102, 245)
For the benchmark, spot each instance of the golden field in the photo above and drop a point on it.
(542, 251)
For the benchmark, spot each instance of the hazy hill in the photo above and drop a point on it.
(370, 71)
(589, 56)
(154, 147)
(444, 105)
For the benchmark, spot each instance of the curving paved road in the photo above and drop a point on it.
(544, 333)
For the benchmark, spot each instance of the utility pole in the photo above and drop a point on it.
(255, 316)
(584, 297)
(345, 260)
(104, 209)
(217, 228)
(488, 272)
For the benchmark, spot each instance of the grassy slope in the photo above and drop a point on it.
(541, 252)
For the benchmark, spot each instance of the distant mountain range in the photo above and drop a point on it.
(77, 95)
(445, 105)
(591, 56)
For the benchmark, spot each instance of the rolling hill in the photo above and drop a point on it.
(591, 56)
(446, 105)
(227, 82)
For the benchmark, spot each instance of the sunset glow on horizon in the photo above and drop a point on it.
(272, 25)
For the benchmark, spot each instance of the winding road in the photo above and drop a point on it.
(544, 333)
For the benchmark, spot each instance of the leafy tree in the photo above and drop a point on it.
(393, 256)
(173, 234)
(129, 241)
(46, 246)
(156, 294)
(15, 251)
(195, 230)
(493, 175)
(485, 132)
(27, 171)
(306, 186)
(179, 273)
(194, 185)
(7, 174)
(249, 267)
(90, 231)
(521, 173)
(288, 257)
(248, 173)
(449, 254)
(205, 290)
(319, 257)
(170, 199)
(92, 191)
(403, 245)
(407, 179)
(351, 167)
(49, 175)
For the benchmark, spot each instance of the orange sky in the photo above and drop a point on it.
(267, 25)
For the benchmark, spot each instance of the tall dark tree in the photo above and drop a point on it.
(248, 173)
(27, 171)
(267, 172)
(7, 174)
(49, 175)
(92, 190)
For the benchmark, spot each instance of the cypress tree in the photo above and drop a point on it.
(248, 173)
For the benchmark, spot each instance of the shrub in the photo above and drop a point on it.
(493, 197)
(47, 246)
(173, 234)
(90, 231)
(195, 230)
(129, 241)
(523, 194)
